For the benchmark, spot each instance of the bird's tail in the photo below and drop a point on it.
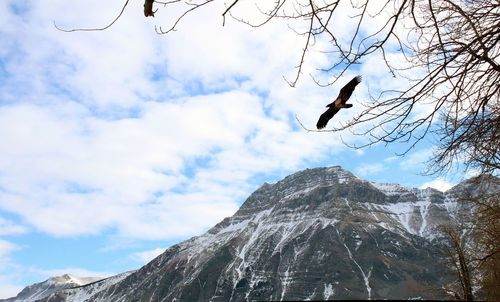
(345, 105)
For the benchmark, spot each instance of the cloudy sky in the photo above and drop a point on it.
(117, 144)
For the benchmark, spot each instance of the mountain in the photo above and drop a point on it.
(43, 289)
(66, 288)
(85, 292)
(318, 234)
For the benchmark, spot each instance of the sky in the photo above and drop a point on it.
(116, 144)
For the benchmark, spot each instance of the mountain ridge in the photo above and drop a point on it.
(42, 289)
(320, 234)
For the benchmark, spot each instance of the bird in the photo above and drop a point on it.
(340, 102)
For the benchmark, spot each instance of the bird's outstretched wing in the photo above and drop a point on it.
(346, 91)
(326, 116)
(340, 102)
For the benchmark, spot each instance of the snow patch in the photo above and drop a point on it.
(298, 193)
(366, 277)
(328, 292)
(86, 292)
(390, 189)
(403, 212)
(286, 280)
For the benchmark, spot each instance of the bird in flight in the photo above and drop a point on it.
(340, 102)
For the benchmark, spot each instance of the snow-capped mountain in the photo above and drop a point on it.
(318, 234)
(43, 289)
(85, 292)
(66, 288)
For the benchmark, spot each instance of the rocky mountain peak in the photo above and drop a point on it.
(298, 183)
(317, 234)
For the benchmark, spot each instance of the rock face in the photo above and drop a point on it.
(318, 234)
(44, 289)
(86, 291)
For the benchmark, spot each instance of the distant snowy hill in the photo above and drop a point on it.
(66, 288)
(318, 234)
(43, 289)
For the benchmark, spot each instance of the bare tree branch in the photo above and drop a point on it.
(95, 29)
(192, 7)
(226, 11)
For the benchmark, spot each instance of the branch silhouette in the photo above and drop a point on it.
(94, 29)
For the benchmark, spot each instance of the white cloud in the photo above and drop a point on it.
(416, 159)
(472, 173)
(439, 183)
(147, 256)
(94, 144)
(72, 173)
(12, 273)
(359, 152)
(368, 169)
(8, 290)
(152, 136)
(8, 227)
(7, 287)
(6, 248)
(77, 272)
(391, 159)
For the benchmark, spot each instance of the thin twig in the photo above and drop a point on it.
(311, 130)
(224, 13)
(93, 29)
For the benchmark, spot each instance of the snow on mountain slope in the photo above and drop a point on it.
(317, 234)
(86, 291)
(43, 289)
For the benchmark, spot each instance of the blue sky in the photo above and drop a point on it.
(117, 144)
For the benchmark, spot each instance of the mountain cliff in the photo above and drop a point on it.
(43, 289)
(318, 234)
